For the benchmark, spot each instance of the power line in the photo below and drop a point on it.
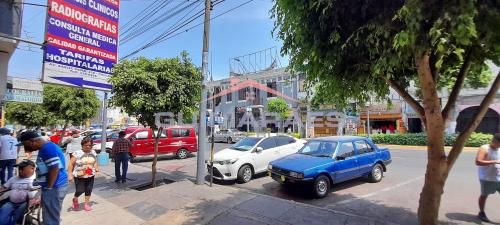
(142, 12)
(147, 14)
(171, 34)
(139, 31)
(176, 24)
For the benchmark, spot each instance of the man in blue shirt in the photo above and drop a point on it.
(51, 173)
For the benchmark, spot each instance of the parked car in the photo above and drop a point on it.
(329, 160)
(179, 140)
(229, 136)
(110, 139)
(251, 156)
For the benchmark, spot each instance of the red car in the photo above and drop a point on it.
(179, 140)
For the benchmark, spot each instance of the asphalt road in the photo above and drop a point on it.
(394, 199)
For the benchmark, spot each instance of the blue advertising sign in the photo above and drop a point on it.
(82, 43)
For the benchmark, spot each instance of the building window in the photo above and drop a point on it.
(302, 86)
(229, 97)
(242, 94)
(271, 85)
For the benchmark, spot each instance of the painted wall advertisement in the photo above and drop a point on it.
(81, 42)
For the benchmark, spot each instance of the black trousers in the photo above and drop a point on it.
(84, 185)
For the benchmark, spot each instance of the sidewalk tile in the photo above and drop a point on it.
(196, 212)
(146, 210)
(265, 206)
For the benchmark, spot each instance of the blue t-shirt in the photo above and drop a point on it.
(50, 156)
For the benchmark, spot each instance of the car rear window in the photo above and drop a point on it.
(283, 140)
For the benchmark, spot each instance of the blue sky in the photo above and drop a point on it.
(242, 31)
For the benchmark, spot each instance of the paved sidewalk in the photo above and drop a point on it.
(183, 202)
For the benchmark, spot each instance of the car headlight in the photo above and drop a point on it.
(297, 175)
(270, 167)
(227, 161)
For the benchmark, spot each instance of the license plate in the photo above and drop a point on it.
(279, 178)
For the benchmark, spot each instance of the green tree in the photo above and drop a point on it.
(356, 50)
(144, 87)
(72, 105)
(30, 115)
(279, 106)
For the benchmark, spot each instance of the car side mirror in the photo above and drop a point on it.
(259, 149)
(339, 158)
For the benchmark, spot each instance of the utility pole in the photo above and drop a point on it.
(202, 130)
(104, 124)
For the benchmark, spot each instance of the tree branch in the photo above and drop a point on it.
(457, 87)
(432, 65)
(464, 136)
(408, 98)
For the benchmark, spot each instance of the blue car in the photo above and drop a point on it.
(329, 160)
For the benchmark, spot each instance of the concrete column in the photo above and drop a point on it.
(4, 63)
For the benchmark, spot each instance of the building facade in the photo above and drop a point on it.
(236, 97)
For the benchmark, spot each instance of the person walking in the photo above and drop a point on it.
(82, 170)
(488, 162)
(8, 154)
(73, 143)
(120, 151)
(52, 174)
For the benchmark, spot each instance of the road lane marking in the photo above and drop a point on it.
(378, 192)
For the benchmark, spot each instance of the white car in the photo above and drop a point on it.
(251, 156)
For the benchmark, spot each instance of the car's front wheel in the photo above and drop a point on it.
(245, 174)
(377, 173)
(321, 186)
(229, 140)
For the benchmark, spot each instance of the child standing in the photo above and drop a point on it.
(21, 189)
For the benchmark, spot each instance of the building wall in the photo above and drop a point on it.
(285, 83)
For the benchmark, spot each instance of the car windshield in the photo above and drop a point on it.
(319, 148)
(113, 135)
(246, 143)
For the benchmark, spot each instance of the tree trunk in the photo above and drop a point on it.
(436, 174)
(63, 132)
(430, 197)
(155, 158)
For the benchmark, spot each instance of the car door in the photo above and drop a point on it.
(162, 143)
(142, 143)
(346, 163)
(270, 151)
(366, 156)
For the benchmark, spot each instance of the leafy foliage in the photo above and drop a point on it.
(143, 87)
(29, 114)
(350, 48)
(73, 105)
(279, 105)
(420, 139)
